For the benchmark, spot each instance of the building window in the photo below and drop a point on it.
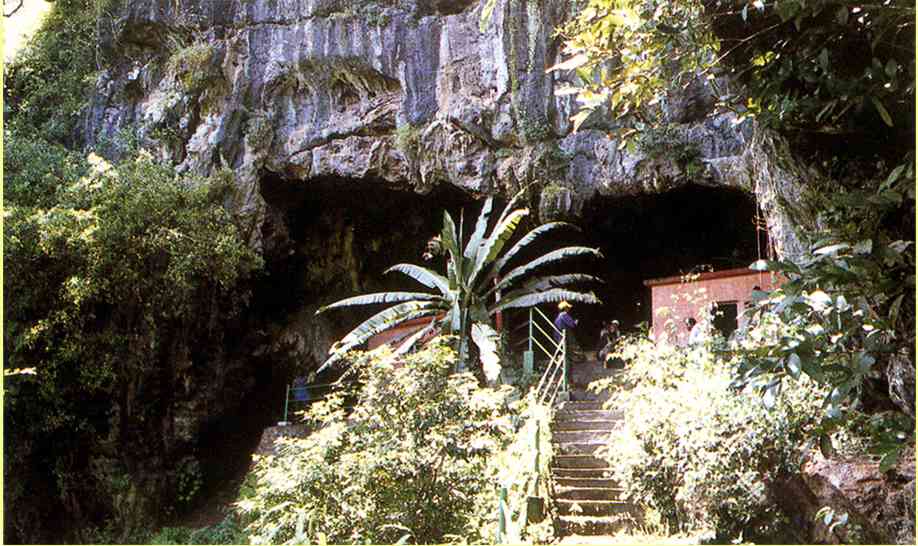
(725, 317)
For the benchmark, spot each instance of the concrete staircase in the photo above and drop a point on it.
(589, 502)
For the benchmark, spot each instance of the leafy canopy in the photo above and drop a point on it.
(114, 278)
(816, 65)
(465, 299)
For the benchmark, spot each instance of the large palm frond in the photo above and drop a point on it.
(380, 322)
(548, 296)
(495, 243)
(544, 283)
(523, 243)
(379, 297)
(551, 257)
(424, 276)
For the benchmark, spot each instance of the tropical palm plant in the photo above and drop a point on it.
(466, 298)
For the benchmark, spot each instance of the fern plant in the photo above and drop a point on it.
(464, 300)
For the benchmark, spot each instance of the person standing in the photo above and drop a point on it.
(564, 322)
(697, 332)
(608, 337)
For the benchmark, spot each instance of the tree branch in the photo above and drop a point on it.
(17, 8)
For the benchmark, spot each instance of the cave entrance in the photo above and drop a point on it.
(687, 230)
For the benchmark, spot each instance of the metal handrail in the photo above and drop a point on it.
(546, 391)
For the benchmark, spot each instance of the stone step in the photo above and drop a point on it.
(588, 415)
(595, 525)
(569, 425)
(591, 481)
(578, 448)
(582, 395)
(579, 461)
(592, 507)
(587, 493)
(592, 436)
(561, 473)
(581, 405)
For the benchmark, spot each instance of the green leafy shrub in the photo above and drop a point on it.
(409, 462)
(34, 168)
(698, 451)
(524, 470)
(227, 531)
(115, 282)
(47, 84)
(848, 311)
(193, 65)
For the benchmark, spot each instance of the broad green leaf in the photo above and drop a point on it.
(380, 322)
(793, 365)
(451, 244)
(831, 249)
(769, 398)
(379, 297)
(554, 256)
(578, 118)
(524, 243)
(424, 276)
(487, 339)
(495, 243)
(887, 119)
(474, 245)
(893, 176)
(551, 281)
(549, 296)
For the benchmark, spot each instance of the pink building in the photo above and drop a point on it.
(675, 299)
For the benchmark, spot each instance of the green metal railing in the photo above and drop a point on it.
(553, 381)
(555, 377)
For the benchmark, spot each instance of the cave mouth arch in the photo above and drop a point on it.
(686, 230)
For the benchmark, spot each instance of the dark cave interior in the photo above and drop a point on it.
(338, 236)
(687, 230)
(344, 233)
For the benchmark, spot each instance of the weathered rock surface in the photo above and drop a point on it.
(409, 93)
(881, 507)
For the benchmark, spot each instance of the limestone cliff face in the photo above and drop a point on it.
(408, 93)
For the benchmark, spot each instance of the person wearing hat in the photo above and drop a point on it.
(564, 322)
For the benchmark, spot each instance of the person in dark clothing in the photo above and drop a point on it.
(608, 337)
(564, 322)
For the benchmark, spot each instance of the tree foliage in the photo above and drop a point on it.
(47, 84)
(112, 280)
(475, 271)
(848, 314)
(409, 462)
(708, 456)
(823, 65)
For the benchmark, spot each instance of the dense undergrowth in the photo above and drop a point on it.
(416, 459)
